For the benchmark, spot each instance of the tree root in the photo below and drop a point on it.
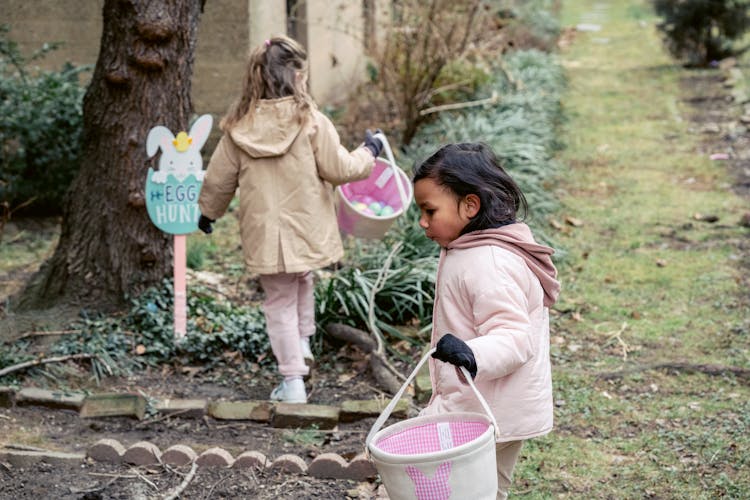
(379, 366)
(713, 370)
(382, 371)
(351, 335)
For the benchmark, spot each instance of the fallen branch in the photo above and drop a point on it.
(184, 484)
(23, 447)
(44, 334)
(111, 474)
(493, 99)
(384, 373)
(144, 479)
(54, 333)
(713, 370)
(146, 423)
(618, 335)
(42, 361)
(351, 335)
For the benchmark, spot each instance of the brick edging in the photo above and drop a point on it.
(324, 466)
(282, 415)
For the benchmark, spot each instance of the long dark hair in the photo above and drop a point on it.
(473, 168)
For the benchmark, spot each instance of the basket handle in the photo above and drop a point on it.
(396, 176)
(388, 409)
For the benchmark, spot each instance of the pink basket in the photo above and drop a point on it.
(387, 185)
(430, 437)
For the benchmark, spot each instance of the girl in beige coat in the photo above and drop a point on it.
(285, 157)
(493, 290)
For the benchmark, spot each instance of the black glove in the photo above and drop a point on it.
(455, 351)
(204, 224)
(372, 143)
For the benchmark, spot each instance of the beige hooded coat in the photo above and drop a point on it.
(492, 291)
(285, 172)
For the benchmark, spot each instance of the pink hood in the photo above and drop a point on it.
(517, 238)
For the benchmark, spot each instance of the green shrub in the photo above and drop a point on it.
(41, 121)
(521, 128)
(532, 24)
(197, 250)
(216, 333)
(700, 32)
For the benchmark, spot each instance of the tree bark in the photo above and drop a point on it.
(108, 247)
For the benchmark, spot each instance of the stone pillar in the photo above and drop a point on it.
(335, 35)
(265, 19)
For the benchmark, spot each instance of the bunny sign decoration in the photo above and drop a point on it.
(172, 197)
(172, 191)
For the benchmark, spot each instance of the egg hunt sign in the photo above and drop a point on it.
(172, 191)
(173, 205)
(172, 197)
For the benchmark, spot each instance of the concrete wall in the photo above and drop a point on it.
(331, 31)
(335, 38)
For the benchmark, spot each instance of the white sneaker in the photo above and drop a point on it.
(307, 354)
(292, 391)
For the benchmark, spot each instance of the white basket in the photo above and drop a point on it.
(447, 456)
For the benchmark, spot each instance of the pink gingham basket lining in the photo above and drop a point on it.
(424, 438)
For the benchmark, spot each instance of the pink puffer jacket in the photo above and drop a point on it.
(490, 293)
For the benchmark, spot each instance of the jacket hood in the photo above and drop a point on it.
(270, 130)
(517, 238)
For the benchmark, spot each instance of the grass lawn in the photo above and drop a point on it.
(645, 282)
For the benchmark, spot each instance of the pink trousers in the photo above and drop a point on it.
(289, 308)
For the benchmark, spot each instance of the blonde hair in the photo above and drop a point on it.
(272, 72)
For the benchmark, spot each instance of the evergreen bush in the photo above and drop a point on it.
(700, 32)
(41, 121)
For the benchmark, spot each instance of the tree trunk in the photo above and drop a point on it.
(108, 246)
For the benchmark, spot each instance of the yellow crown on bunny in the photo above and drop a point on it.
(182, 142)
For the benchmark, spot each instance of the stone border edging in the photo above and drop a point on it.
(324, 466)
(279, 415)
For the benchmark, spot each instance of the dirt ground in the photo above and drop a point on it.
(65, 430)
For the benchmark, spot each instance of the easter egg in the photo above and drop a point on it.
(359, 206)
(376, 207)
(386, 210)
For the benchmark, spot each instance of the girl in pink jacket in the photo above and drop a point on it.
(284, 156)
(493, 291)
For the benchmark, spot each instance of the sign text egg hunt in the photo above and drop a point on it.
(172, 191)
(176, 204)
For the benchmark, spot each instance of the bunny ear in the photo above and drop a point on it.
(158, 136)
(414, 473)
(200, 130)
(444, 469)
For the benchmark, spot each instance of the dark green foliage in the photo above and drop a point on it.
(213, 328)
(531, 24)
(145, 335)
(40, 130)
(406, 294)
(521, 128)
(700, 32)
